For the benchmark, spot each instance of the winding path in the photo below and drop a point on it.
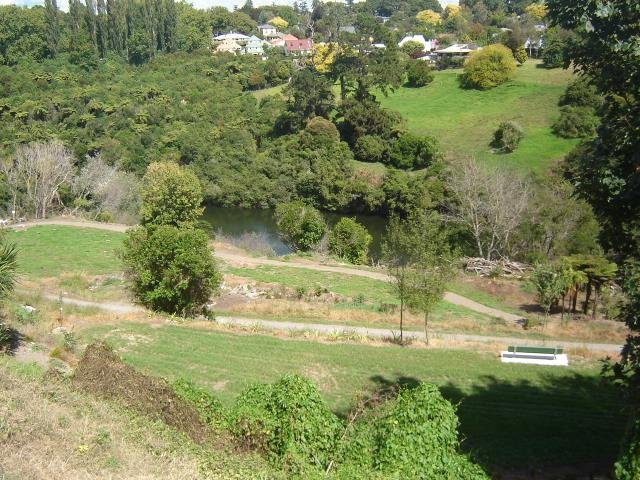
(239, 259)
(284, 326)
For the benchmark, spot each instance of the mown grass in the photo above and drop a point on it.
(374, 293)
(50, 250)
(463, 121)
(512, 416)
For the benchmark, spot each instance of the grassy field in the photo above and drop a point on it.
(463, 121)
(512, 416)
(49, 251)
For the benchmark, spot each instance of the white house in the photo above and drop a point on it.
(231, 37)
(228, 46)
(458, 49)
(428, 45)
(267, 31)
(255, 46)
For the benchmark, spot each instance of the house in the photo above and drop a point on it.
(458, 50)
(428, 45)
(267, 31)
(295, 46)
(255, 46)
(228, 46)
(231, 36)
(278, 41)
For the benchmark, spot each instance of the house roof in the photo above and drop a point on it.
(459, 48)
(230, 36)
(228, 46)
(265, 26)
(289, 37)
(304, 44)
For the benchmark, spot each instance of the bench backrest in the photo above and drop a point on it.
(546, 350)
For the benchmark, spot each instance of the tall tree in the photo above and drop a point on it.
(53, 26)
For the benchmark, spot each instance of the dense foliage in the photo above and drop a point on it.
(489, 67)
(300, 225)
(419, 74)
(350, 241)
(507, 137)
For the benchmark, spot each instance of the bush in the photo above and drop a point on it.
(171, 195)
(521, 55)
(553, 53)
(209, 407)
(489, 67)
(576, 122)
(412, 152)
(288, 421)
(171, 269)
(300, 225)
(419, 74)
(580, 93)
(321, 127)
(370, 148)
(366, 117)
(628, 465)
(507, 137)
(414, 435)
(350, 241)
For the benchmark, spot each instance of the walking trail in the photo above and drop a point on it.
(284, 326)
(239, 259)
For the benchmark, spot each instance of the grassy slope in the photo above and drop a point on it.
(511, 415)
(463, 121)
(48, 250)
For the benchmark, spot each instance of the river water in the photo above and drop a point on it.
(234, 222)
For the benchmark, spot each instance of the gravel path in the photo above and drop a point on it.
(239, 259)
(284, 326)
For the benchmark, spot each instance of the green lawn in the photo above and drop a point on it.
(463, 121)
(50, 250)
(513, 416)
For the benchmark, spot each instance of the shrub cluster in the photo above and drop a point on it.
(489, 67)
(300, 225)
(579, 107)
(507, 137)
(419, 74)
(350, 241)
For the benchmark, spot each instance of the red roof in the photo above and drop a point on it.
(288, 36)
(302, 45)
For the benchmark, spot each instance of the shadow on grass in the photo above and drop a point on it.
(562, 427)
(566, 427)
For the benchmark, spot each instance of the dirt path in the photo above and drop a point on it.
(239, 259)
(284, 326)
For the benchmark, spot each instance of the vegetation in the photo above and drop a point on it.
(350, 241)
(419, 74)
(507, 137)
(301, 225)
(489, 67)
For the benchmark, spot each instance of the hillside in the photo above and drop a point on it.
(463, 121)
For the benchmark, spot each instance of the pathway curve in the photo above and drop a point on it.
(283, 326)
(240, 259)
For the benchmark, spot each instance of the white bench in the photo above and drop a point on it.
(534, 356)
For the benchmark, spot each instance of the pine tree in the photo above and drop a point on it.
(53, 27)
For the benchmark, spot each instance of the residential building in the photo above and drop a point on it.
(255, 46)
(295, 46)
(458, 50)
(267, 31)
(228, 46)
(428, 45)
(231, 36)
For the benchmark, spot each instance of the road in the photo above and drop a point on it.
(238, 259)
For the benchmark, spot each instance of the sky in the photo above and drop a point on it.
(63, 4)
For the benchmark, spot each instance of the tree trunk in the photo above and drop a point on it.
(401, 312)
(575, 300)
(562, 314)
(343, 88)
(596, 298)
(587, 299)
(426, 325)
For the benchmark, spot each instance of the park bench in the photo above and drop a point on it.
(534, 355)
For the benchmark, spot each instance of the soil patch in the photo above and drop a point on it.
(102, 373)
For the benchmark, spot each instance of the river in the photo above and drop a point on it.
(233, 222)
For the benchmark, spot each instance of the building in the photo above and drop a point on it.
(295, 46)
(278, 41)
(228, 46)
(458, 50)
(267, 31)
(428, 45)
(231, 36)
(255, 46)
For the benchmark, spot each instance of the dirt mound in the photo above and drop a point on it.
(102, 373)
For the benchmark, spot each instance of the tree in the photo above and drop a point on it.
(521, 54)
(301, 225)
(350, 241)
(489, 67)
(279, 22)
(434, 265)
(537, 11)
(53, 26)
(171, 269)
(490, 203)
(429, 18)
(410, 152)
(550, 285)
(575, 122)
(553, 50)
(170, 195)
(507, 137)
(39, 170)
(412, 47)
(419, 74)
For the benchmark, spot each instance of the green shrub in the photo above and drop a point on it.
(300, 225)
(209, 407)
(370, 148)
(628, 465)
(489, 67)
(419, 74)
(350, 241)
(413, 436)
(288, 421)
(576, 122)
(25, 316)
(521, 55)
(171, 269)
(413, 152)
(580, 93)
(507, 137)
(553, 53)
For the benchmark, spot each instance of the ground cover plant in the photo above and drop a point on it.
(499, 404)
(463, 120)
